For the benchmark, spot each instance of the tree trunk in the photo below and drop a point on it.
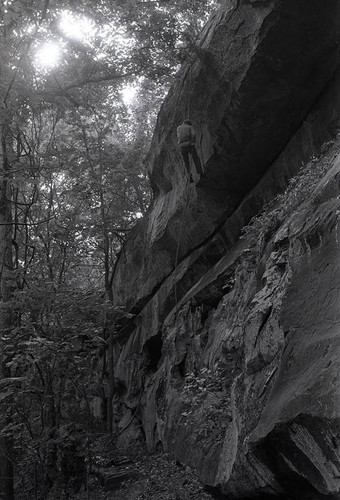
(111, 381)
(50, 423)
(6, 293)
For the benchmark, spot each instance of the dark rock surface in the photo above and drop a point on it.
(259, 70)
(231, 363)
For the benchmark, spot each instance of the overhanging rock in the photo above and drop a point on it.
(259, 68)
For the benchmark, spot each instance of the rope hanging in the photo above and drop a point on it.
(187, 115)
(188, 106)
(178, 244)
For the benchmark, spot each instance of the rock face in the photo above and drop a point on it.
(231, 361)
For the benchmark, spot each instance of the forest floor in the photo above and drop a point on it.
(135, 474)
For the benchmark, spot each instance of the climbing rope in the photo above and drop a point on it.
(187, 115)
(178, 245)
(188, 107)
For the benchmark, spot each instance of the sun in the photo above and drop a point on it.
(48, 55)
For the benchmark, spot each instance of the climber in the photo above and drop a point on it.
(186, 141)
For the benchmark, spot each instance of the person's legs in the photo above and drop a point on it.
(185, 155)
(197, 160)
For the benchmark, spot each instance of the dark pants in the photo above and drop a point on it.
(186, 150)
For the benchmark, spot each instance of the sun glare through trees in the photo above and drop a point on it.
(48, 55)
(79, 28)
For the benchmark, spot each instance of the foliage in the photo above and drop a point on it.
(300, 189)
(52, 354)
(206, 399)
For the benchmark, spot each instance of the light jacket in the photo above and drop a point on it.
(186, 135)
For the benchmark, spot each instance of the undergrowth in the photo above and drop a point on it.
(299, 190)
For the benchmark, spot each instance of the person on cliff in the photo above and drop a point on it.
(186, 137)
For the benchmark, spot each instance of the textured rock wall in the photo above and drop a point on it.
(231, 360)
(259, 68)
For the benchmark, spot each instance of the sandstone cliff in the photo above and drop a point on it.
(231, 360)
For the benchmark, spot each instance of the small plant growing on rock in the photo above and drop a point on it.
(206, 401)
(299, 191)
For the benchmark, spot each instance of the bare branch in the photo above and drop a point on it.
(27, 223)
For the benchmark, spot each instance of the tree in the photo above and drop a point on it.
(6, 281)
